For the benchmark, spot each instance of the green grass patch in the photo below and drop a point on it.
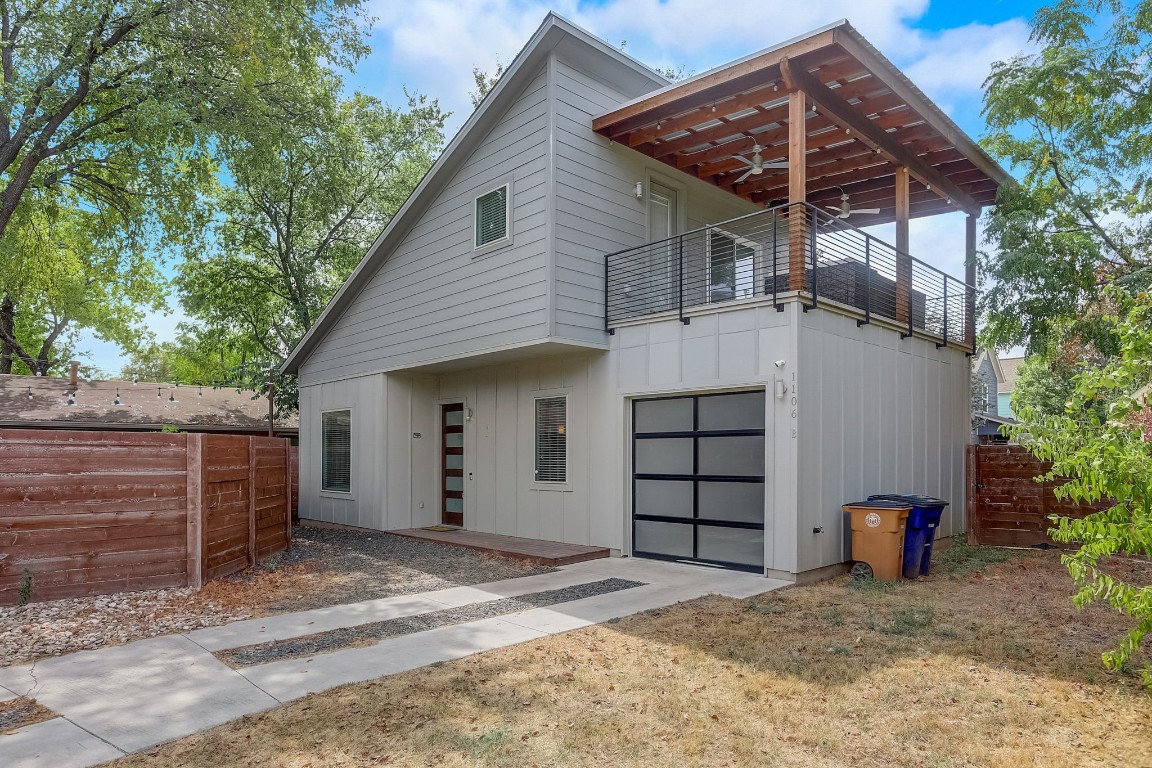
(963, 559)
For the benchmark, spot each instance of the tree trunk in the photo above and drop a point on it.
(7, 331)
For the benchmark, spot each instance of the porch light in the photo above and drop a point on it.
(560, 429)
(639, 191)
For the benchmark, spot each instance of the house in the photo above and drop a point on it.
(640, 315)
(1010, 366)
(987, 421)
(45, 402)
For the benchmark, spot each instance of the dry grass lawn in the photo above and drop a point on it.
(982, 665)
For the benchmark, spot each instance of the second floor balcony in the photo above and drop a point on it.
(788, 253)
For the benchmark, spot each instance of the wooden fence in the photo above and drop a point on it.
(1006, 506)
(85, 513)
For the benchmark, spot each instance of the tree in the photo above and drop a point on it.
(306, 202)
(484, 82)
(1099, 441)
(71, 269)
(1042, 386)
(116, 107)
(1071, 120)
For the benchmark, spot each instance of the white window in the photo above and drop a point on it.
(492, 223)
(552, 439)
(337, 451)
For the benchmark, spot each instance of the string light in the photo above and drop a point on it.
(117, 400)
(29, 393)
(171, 398)
(71, 398)
(158, 392)
(200, 393)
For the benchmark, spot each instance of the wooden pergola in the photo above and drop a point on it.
(842, 117)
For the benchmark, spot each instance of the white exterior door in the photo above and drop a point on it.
(663, 218)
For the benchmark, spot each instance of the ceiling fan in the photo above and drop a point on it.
(756, 165)
(845, 209)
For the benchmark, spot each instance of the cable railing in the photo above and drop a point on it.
(788, 250)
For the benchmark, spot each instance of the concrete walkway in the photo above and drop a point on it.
(114, 701)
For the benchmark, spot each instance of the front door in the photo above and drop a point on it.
(452, 464)
(664, 254)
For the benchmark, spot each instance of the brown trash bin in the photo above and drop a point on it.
(878, 536)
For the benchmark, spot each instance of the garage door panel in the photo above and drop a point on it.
(744, 410)
(663, 538)
(736, 456)
(736, 502)
(666, 498)
(664, 456)
(664, 415)
(730, 545)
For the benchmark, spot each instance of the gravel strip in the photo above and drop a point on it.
(325, 566)
(364, 634)
(21, 711)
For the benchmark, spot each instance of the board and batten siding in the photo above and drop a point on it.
(391, 487)
(435, 296)
(877, 414)
(596, 208)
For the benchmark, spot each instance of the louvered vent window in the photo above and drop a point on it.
(492, 216)
(337, 451)
(552, 439)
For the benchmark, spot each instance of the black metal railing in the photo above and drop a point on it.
(794, 250)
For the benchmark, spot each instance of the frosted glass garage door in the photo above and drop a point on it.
(698, 479)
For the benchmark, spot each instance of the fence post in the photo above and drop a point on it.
(867, 283)
(607, 317)
(251, 500)
(945, 342)
(194, 508)
(970, 458)
(287, 492)
(812, 251)
(775, 258)
(680, 282)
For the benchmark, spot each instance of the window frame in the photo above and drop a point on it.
(757, 258)
(536, 481)
(333, 492)
(481, 249)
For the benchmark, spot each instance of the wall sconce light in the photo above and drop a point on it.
(468, 414)
(781, 389)
(639, 191)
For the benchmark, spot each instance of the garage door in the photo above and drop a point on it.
(698, 479)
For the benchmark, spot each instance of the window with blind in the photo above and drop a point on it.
(552, 439)
(492, 216)
(337, 451)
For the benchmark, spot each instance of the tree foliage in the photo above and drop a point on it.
(1071, 120)
(1098, 440)
(305, 203)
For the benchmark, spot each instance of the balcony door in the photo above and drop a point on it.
(663, 223)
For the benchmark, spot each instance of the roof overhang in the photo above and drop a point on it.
(865, 118)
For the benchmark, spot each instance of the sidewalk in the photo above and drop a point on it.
(119, 700)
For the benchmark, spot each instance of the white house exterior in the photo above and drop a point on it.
(694, 398)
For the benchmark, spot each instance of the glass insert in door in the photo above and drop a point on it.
(452, 464)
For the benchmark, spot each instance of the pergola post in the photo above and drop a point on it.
(797, 192)
(970, 278)
(903, 258)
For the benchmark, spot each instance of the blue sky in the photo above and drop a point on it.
(431, 46)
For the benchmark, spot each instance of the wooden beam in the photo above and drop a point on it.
(705, 114)
(797, 191)
(700, 89)
(970, 277)
(798, 78)
(903, 259)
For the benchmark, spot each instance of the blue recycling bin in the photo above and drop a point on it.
(920, 531)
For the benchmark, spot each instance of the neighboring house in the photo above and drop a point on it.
(621, 311)
(988, 374)
(1011, 369)
(43, 402)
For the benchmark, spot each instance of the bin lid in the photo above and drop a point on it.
(914, 499)
(878, 504)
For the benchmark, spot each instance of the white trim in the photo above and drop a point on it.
(482, 249)
(349, 494)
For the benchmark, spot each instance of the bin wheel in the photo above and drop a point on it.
(861, 571)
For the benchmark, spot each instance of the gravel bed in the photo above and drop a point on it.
(21, 711)
(325, 566)
(347, 637)
(365, 565)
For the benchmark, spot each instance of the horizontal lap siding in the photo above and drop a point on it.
(597, 211)
(434, 297)
(91, 512)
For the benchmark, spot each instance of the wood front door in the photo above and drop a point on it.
(452, 464)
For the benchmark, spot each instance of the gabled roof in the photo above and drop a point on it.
(630, 75)
(1011, 368)
(984, 352)
(866, 118)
